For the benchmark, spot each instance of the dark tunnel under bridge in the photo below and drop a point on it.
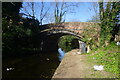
(47, 41)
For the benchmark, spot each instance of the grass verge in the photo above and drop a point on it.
(107, 56)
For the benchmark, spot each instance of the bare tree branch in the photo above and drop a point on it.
(61, 9)
(26, 11)
(42, 13)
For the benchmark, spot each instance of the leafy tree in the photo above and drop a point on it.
(10, 10)
(109, 18)
(31, 24)
(12, 32)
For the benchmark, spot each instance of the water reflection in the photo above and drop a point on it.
(32, 66)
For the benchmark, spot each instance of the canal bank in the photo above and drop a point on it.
(76, 65)
(37, 66)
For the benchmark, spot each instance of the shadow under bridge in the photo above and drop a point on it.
(48, 39)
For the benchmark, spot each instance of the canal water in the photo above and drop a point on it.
(34, 66)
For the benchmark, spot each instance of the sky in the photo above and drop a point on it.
(80, 14)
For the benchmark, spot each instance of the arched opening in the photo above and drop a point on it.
(52, 38)
(68, 42)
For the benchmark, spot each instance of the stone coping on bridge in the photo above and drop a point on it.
(73, 25)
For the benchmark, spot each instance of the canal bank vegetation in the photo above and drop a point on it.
(108, 57)
(106, 51)
(107, 28)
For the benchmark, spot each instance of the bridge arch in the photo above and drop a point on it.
(61, 31)
(50, 38)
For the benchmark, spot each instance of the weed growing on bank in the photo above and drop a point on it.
(108, 56)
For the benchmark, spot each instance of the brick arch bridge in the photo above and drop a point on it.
(50, 33)
(72, 28)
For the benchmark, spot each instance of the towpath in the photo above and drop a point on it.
(76, 65)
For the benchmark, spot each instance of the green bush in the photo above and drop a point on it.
(14, 38)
